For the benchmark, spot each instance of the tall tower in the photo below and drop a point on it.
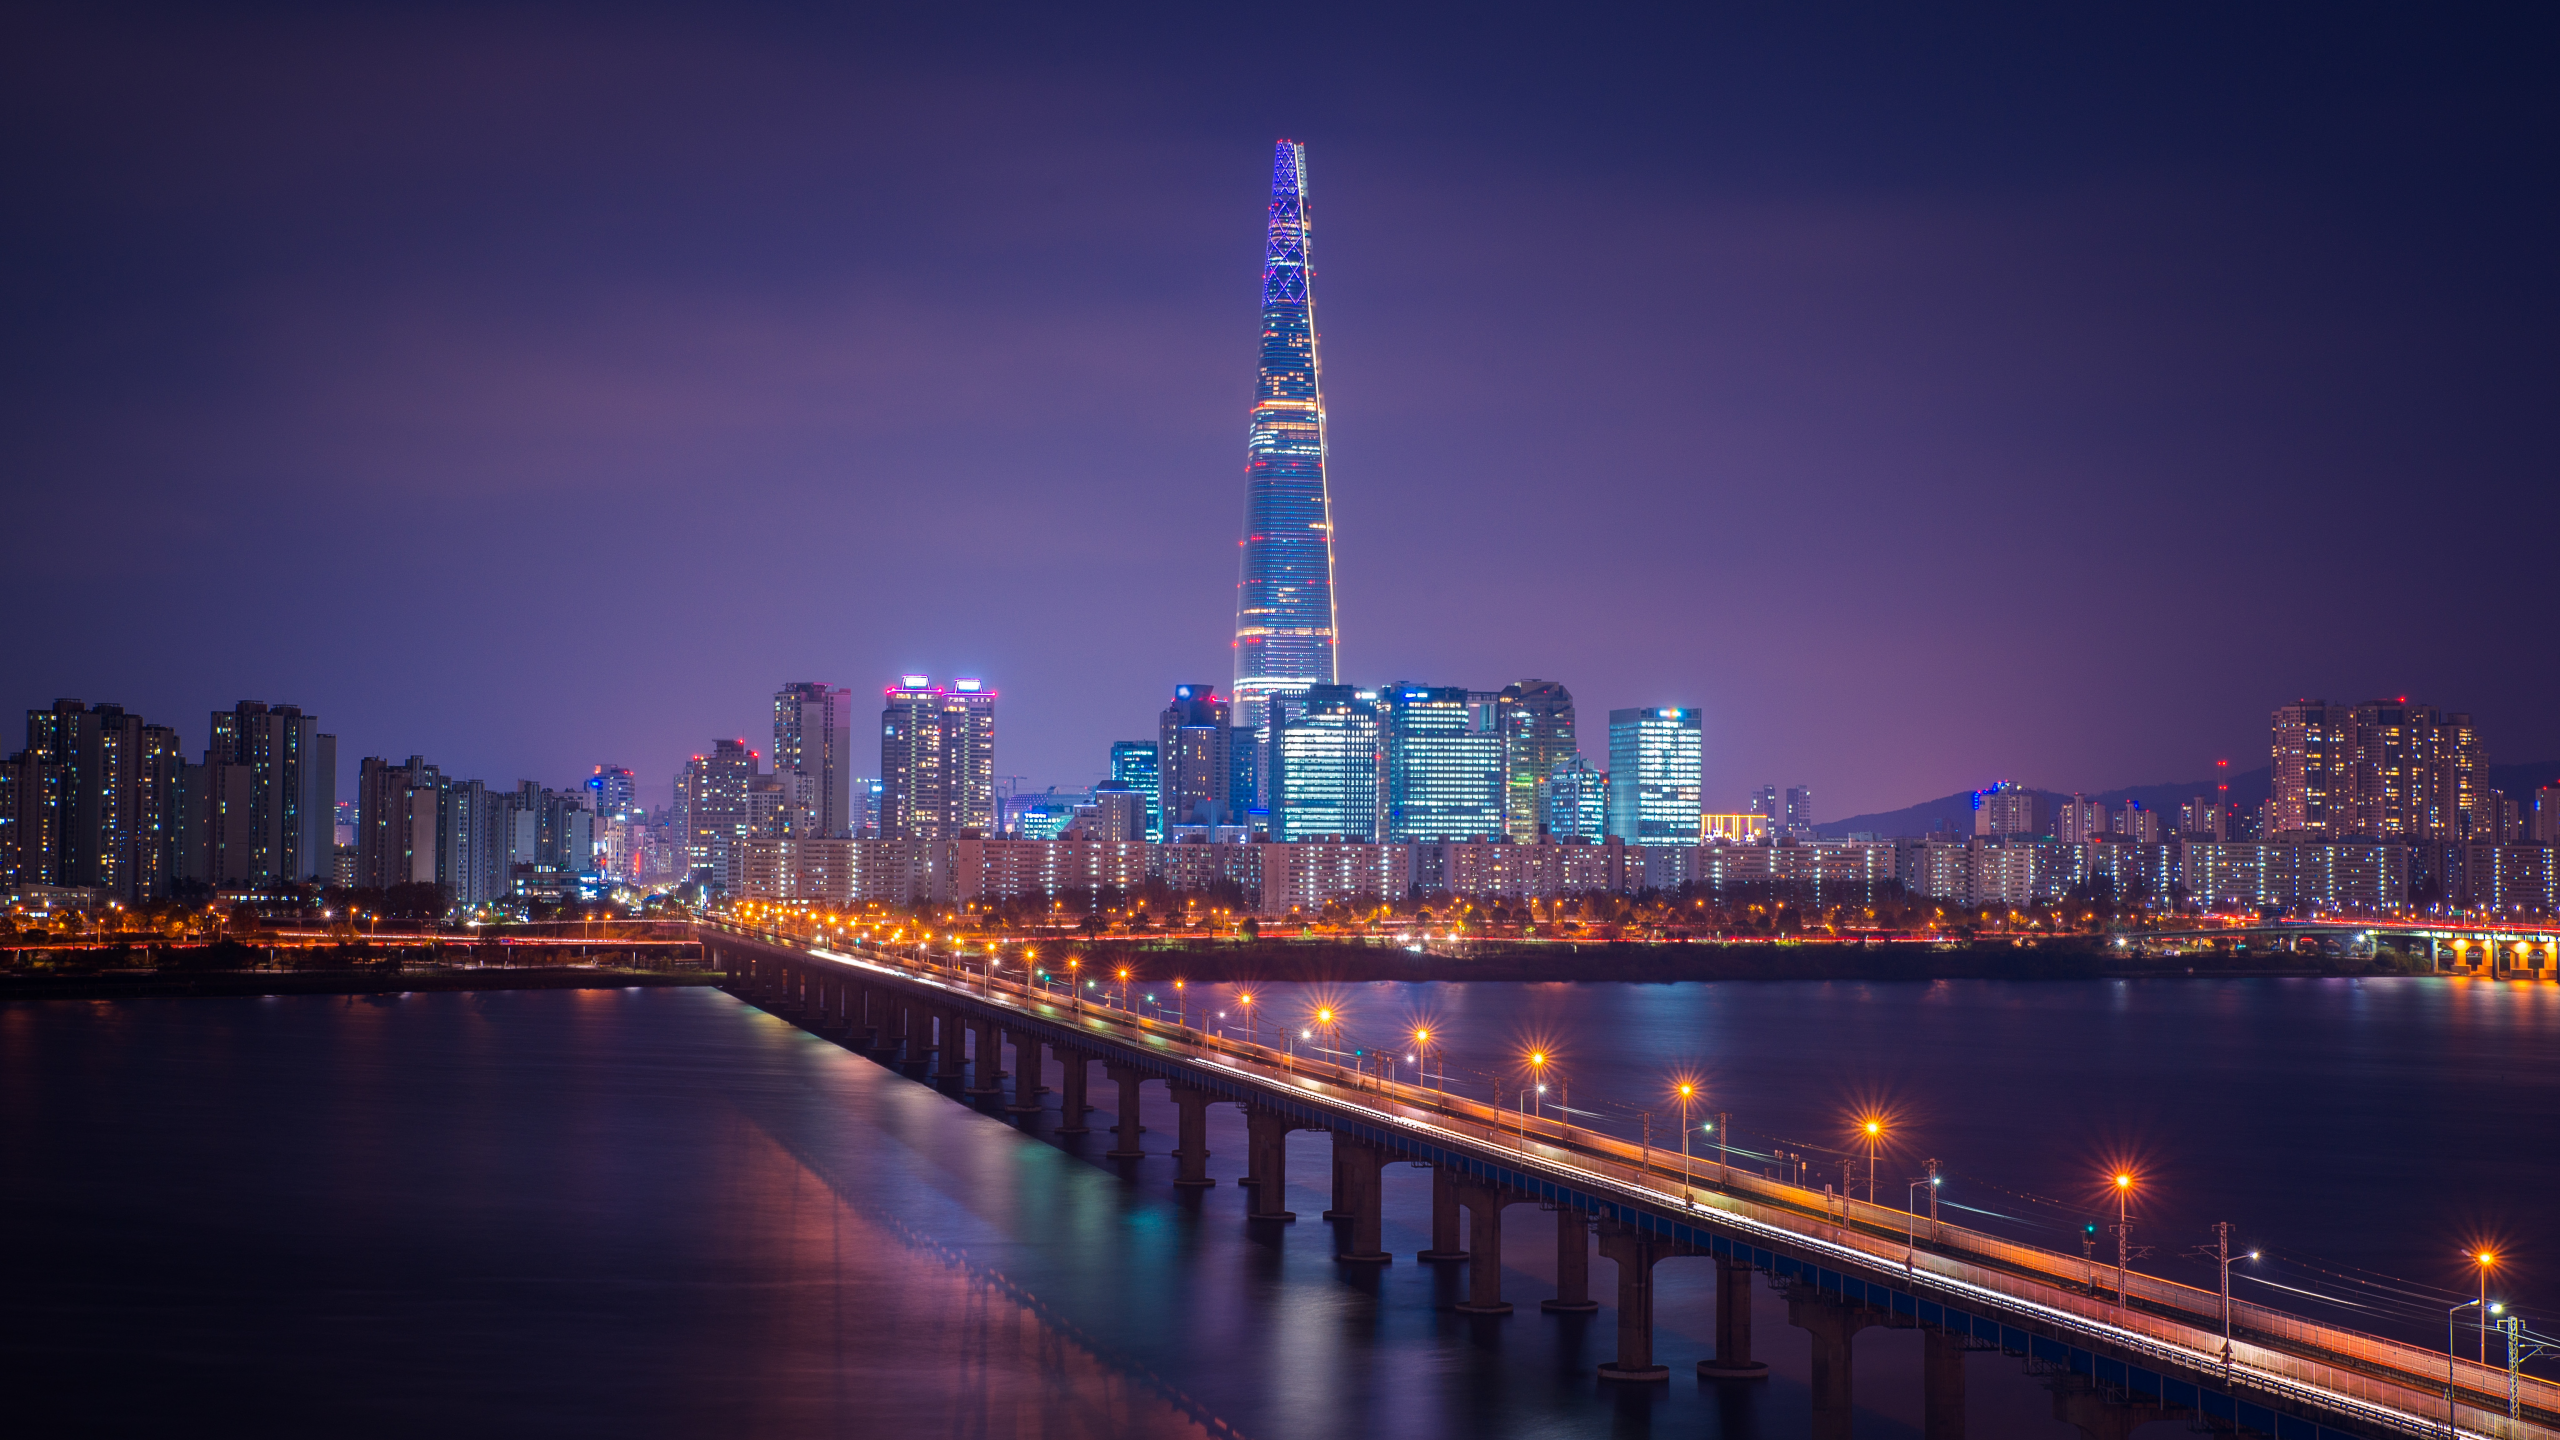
(1284, 593)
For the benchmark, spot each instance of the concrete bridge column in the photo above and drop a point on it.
(1126, 1127)
(1072, 1064)
(1445, 1242)
(989, 1059)
(862, 1015)
(950, 1051)
(1832, 1327)
(1635, 1253)
(1483, 1205)
(1191, 1137)
(1356, 1167)
(1941, 1386)
(1267, 1132)
(1026, 1075)
(1573, 1265)
(2097, 1416)
(1733, 1327)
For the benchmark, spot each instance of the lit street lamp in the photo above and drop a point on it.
(2124, 1231)
(2484, 1261)
(1874, 1129)
(1688, 1092)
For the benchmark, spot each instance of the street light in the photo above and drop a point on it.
(1422, 1048)
(2486, 1310)
(1688, 1092)
(1181, 1011)
(1538, 1070)
(1874, 1129)
(2124, 1230)
(1124, 987)
(1911, 1218)
(2484, 1261)
(1246, 1000)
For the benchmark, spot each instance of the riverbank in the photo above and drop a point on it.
(1330, 961)
(373, 980)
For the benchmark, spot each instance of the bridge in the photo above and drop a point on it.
(2116, 1358)
(2505, 950)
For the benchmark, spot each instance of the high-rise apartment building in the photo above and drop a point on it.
(397, 831)
(2385, 769)
(2079, 820)
(1133, 764)
(1195, 772)
(293, 771)
(1444, 755)
(100, 803)
(1795, 812)
(1535, 720)
(1656, 758)
(613, 794)
(1327, 750)
(1284, 593)
(2007, 809)
(937, 760)
(813, 750)
(712, 796)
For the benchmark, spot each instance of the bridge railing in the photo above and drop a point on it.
(2404, 1379)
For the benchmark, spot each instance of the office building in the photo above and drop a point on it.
(813, 754)
(1535, 721)
(1133, 764)
(1444, 765)
(937, 760)
(1326, 754)
(1284, 593)
(1244, 777)
(1655, 760)
(1194, 758)
(1574, 802)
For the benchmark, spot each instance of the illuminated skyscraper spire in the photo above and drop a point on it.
(1284, 593)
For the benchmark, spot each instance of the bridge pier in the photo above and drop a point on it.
(1356, 1171)
(1125, 1125)
(1573, 1265)
(1267, 1133)
(1636, 1253)
(989, 1059)
(2097, 1416)
(1026, 1074)
(1072, 1064)
(950, 1051)
(1483, 1204)
(1941, 1386)
(1445, 1242)
(1832, 1327)
(1733, 1327)
(1191, 1137)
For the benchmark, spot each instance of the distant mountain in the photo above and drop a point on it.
(2249, 789)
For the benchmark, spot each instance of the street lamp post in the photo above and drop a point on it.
(1538, 1070)
(1911, 1217)
(1688, 1091)
(1875, 1131)
(2484, 1261)
(2124, 1230)
(2482, 1305)
(1246, 1000)
(1181, 1006)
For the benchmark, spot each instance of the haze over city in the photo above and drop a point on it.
(1930, 399)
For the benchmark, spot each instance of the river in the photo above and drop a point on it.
(667, 1213)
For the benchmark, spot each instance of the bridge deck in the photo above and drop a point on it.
(2028, 1299)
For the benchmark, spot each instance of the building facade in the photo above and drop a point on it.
(1284, 594)
(937, 760)
(1327, 750)
(1655, 760)
(1444, 765)
(813, 754)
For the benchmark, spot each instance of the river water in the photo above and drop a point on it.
(666, 1213)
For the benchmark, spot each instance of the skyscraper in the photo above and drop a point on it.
(1194, 744)
(1536, 721)
(1133, 763)
(1284, 593)
(1444, 765)
(812, 753)
(1654, 768)
(612, 793)
(1325, 759)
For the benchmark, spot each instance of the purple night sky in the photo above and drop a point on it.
(1931, 398)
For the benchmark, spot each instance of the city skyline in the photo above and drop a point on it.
(1743, 418)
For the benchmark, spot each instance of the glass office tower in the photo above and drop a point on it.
(1444, 766)
(1284, 593)
(1325, 759)
(1654, 765)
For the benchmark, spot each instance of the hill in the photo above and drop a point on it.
(2249, 788)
